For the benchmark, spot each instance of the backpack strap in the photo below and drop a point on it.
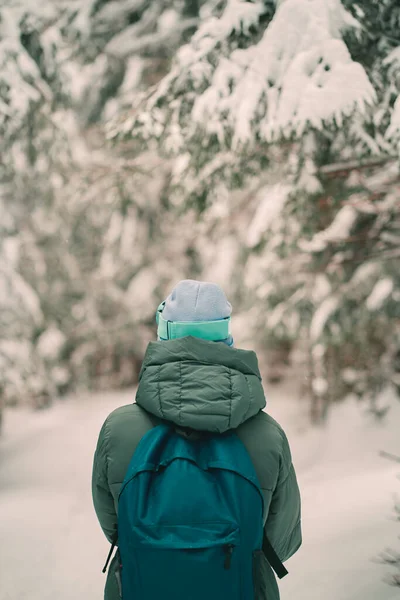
(113, 544)
(273, 558)
(114, 541)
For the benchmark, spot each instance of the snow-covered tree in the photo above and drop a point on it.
(246, 80)
(255, 143)
(288, 102)
(77, 218)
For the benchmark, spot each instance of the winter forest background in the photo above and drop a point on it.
(251, 143)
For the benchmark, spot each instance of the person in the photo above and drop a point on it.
(199, 382)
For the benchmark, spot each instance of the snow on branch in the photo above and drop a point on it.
(322, 315)
(128, 43)
(301, 70)
(338, 230)
(392, 61)
(381, 291)
(300, 73)
(270, 203)
(192, 68)
(393, 130)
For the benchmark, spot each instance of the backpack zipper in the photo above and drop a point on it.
(228, 556)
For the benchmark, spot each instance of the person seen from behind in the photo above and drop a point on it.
(194, 483)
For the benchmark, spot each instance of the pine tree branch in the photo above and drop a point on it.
(390, 456)
(156, 41)
(383, 255)
(351, 165)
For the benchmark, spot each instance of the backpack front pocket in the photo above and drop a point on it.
(174, 568)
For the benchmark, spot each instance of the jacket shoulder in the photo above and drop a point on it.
(268, 447)
(267, 428)
(122, 431)
(127, 421)
(128, 411)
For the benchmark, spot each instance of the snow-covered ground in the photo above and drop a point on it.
(51, 547)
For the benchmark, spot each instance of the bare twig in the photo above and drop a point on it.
(356, 164)
(390, 456)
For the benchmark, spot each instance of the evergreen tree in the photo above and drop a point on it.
(77, 219)
(288, 104)
(278, 126)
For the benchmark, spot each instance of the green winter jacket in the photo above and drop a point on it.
(206, 386)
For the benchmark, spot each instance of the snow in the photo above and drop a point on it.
(53, 546)
(134, 67)
(349, 375)
(26, 295)
(347, 495)
(141, 288)
(114, 230)
(324, 311)
(393, 58)
(50, 343)
(238, 15)
(365, 272)
(308, 181)
(379, 294)
(220, 261)
(191, 62)
(119, 10)
(299, 74)
(60, 375)
(393, 61)
(270, 202)
(168, 21)
(394, 127)
(130, 40)
(128, 238)
(319, 386)
(16, 349)
(275, 316)
(322, 288)
(338, 230)
(11, 250)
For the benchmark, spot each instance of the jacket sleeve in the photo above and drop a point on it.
(102, 498)
(283, 525)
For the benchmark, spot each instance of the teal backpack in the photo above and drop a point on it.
(190, 519)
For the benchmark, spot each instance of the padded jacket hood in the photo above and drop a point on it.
(203, 385)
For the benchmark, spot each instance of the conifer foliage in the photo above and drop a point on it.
(255, 143)
(296, 103)
(77, 219)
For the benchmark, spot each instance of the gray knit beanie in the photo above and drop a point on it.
(196, 301)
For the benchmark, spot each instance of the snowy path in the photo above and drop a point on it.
(51, 547)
